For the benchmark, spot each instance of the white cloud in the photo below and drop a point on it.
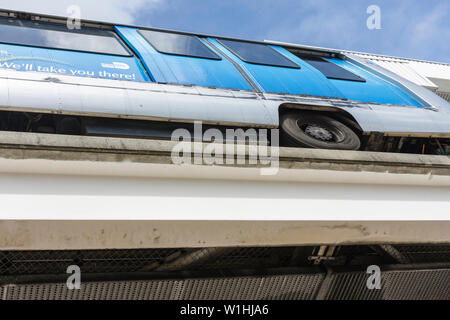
(118, 11)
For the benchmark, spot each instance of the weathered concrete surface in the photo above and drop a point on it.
(61, 235)
(94, 155)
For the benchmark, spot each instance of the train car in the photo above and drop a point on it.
(120, 80)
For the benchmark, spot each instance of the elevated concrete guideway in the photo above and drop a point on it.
(82, 188)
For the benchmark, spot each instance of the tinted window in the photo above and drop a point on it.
(258, 53)
(178, 44)
(330, 70)
(40, 34)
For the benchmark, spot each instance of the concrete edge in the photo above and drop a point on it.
(14, 145)
(70, 235)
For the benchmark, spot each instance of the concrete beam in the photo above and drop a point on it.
(70, 183)
(73, 235)
(60, 154)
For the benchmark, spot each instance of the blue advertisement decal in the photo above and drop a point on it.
(79, 64)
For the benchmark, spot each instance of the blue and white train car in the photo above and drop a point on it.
(53, 79)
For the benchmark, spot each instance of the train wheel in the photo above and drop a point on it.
(314, 130)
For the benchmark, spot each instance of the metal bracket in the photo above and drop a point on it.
(324, 254)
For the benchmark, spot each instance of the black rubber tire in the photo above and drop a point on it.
(343, 138)
(69, 126)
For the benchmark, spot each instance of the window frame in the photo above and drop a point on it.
(129, 52)
(305, 57)
(295, 65)
(193, 36)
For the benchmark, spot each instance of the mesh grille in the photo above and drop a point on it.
(114, 261)
(425, 254)
(351, 286)
(395, 285)
(363, 255)
(283, 287)
(91, 261)
(206, 259)
(289, 287)
(244, 257)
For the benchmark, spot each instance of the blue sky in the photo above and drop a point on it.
(410, 28)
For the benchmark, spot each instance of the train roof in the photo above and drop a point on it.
(109, 25)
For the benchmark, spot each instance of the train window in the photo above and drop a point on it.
(329, 69)
(178, 44)
(58, 36)
(258, 53)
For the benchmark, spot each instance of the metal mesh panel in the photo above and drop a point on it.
(219, 262)
(350, 286)
(395, 285)
(282, 287)
(104, 261)
(417, 285)
(363, 255)
(290, 287)
(426, 253)
(120, 290)
(91, 261)
(246, 257)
